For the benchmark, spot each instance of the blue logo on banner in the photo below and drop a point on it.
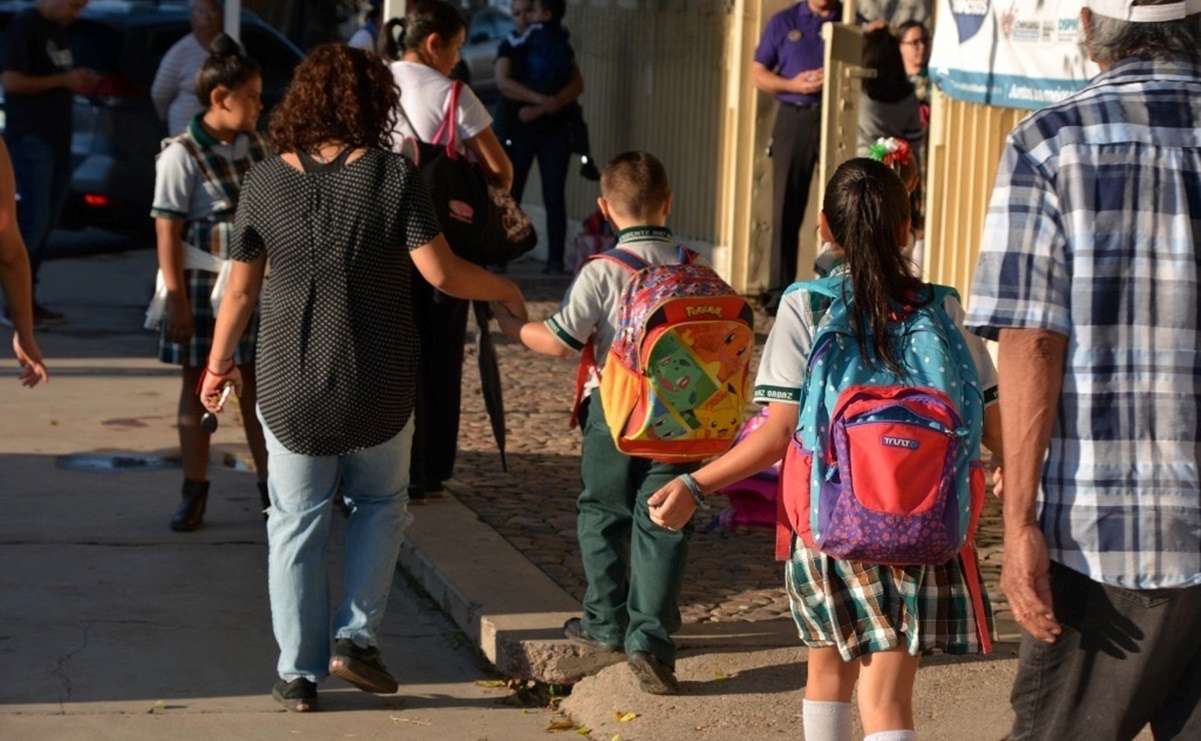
(969, 17)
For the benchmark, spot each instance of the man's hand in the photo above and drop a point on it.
(29, 355)
(672, 506)
(809, 82)
(1026, 581)
(82, 79)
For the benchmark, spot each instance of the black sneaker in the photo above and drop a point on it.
(588, 170)
(297, 696)
(655, 677)
(574, 631)
(361, 667)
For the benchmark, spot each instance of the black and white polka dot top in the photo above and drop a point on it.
(337, 352)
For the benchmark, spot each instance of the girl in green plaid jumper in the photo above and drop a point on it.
(198, 180)
(864, 624)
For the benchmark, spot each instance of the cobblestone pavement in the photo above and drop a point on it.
(731, 574)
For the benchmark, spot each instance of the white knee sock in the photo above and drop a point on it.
(892, 736)
(827, 721)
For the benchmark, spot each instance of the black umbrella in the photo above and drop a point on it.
(494, 398)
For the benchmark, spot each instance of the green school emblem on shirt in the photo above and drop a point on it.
(795, 35)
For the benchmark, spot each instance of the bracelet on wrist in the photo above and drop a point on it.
(695, 489)
(208, 365)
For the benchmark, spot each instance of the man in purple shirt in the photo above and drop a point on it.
(788, 65)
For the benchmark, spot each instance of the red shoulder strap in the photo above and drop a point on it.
(971, 574)
(587, 364)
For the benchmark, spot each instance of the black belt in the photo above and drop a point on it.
(801, 106)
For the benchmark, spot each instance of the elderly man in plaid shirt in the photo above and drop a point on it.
(1089, 276)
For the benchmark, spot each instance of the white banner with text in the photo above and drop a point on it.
(1020, 54)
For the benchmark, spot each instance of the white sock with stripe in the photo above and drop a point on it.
(826, 721)
(903, 735)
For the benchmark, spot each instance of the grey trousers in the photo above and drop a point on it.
(1126, 658)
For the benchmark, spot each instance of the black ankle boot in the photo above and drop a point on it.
(264, 498)
(191, 510)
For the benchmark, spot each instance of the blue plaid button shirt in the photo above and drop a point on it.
(1093, 232)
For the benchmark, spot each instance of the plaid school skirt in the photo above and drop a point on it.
(195, 352)
(864, 609)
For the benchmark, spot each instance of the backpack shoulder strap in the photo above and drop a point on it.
(217, 171)
(448, 131)
(688, 256)
(624, 258)
(587, 365)
(941, 293)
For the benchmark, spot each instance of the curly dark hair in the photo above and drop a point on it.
(338, 94)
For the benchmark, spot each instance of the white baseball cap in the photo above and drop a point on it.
(1124, 10)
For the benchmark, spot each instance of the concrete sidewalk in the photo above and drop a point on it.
(106, 612)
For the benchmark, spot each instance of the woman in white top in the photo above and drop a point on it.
(174, 88)
(423, 48)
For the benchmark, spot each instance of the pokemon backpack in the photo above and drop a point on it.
(676, 379)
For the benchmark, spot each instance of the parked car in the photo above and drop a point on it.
(117, 131)
(486, 28)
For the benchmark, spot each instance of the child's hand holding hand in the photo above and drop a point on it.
(510, 324)
(672, 506)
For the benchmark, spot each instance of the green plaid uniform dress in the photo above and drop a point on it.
(861, 608)
(212, 234)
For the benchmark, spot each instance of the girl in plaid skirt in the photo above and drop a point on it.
(864, 624)
(198, 179)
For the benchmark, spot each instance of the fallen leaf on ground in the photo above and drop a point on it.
(624, 717)
(560, 725)
(719, 674)
(399, 720)
(492, 684)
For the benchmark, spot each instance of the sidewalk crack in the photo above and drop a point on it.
(61, 665)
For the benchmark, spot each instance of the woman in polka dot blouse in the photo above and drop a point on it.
(343, 222)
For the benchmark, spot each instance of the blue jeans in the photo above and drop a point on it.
(375, 482)
(43, 173)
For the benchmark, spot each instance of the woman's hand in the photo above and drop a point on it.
(514, 304)
(672, 506)
(510, 324)
(180, 326)
(212, 384)
(29, 355)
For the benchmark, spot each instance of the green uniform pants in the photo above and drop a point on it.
(635, 568)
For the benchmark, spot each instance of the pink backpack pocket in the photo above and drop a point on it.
(889, 496)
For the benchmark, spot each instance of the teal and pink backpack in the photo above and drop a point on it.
(675, 383)
(885, 469)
